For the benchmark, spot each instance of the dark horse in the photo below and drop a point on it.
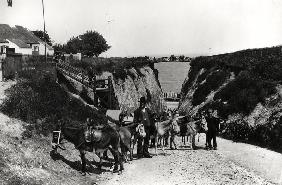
(103, 139)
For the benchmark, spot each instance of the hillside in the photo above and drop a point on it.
(30, 109)
(244, 87)
(131, 79)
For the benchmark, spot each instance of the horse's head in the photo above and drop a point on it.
(140, 129)
(175, 128)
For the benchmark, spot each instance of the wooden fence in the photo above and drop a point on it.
(15, 64)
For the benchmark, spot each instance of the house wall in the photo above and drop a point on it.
(3, 54)
(42, 50)
(24, 51)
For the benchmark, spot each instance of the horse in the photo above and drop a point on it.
(191, 128)
(129, 133)
(164, 128)
(136, 131)
(103, 139)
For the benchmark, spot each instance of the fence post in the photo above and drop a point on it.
(110, 91)
(95, 98)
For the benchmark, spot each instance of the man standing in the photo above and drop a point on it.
(143, 115)
(213, 127)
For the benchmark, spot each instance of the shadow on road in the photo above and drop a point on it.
(76, 165)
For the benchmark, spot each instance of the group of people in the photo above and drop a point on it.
(145, 116)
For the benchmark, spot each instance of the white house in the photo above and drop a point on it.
(3, 45)
(20, 40)
(49, 49)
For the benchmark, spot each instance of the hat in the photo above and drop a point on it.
(142, 99)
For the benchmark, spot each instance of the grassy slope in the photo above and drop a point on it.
(257, 73)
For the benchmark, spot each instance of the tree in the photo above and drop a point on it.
(74, 45)
(181, 58)
(59, 48)
(90, 44)
(43, 36)
(172, 58)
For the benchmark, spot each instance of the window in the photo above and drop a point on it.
(2, 49)
(35, 48)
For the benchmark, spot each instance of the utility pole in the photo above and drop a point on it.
(44, 31)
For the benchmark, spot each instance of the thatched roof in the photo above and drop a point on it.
(19, 35)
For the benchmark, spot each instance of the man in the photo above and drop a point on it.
(213, 127)
(143, 115)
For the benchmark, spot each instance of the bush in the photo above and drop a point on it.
(244, 93)
(266, 135)
(40, 101)
(213, 81)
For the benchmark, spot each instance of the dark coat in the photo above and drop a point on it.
(139, 118)
(213, 124)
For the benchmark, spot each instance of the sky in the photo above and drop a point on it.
(156, 27)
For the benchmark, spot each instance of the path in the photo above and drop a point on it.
(232, 163)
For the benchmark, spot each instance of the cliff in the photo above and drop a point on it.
(244, 87)
(128, 85)
(139, 82)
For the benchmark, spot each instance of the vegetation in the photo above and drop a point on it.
(43, 36)
(89, 44)
(213, 81)
(117, 66)
(266, 135)
(40, 101)
(256, 74)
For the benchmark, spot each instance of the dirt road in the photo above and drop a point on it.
(185, 166)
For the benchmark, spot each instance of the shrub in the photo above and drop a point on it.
(213, 81)
(40, 101)
(243, 94)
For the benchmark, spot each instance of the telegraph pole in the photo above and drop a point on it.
(44, 31)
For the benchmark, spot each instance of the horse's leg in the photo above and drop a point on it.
(118, 161)
(173, 136)
(105, 155)
(163, 146)
(99, 154)
(131, 149)
(83, 161)
(156, 146)
(193, 142)
(124, 153)
(189, 140)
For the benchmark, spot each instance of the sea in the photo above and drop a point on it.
(171, 77)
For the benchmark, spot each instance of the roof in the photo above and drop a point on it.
(19, 35)
(3, 41)
(20, 43)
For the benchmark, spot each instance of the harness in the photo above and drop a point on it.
(56, 139)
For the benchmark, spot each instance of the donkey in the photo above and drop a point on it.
(106, 138)
(192, 128)
(129, 134)
(136, 131)
(163, 128)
